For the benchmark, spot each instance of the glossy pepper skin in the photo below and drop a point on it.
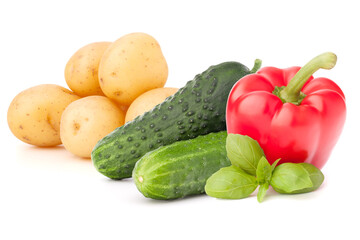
(305, 130)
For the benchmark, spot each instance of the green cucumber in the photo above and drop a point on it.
(196, 109)
(182, 168)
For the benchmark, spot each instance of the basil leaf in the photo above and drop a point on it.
(262, 191)
(316, 176)
(273, 166)
(244, 152)
(289, 178)
(230, 183)
(263, 171)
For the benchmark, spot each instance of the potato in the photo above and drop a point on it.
(34, 114)
(147, 101)
(81, 71)
(130, 66)
(86, 121)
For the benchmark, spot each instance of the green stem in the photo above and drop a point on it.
(291, 93)
(262, 191)
(257, 66)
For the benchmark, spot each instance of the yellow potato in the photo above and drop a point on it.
(81, 71)
(86, 121)
(130, 66)
(34, 114)
(147, 101)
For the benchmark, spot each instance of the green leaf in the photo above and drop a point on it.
(230, 183)
(316, 176)
(244, 152)
(263, 171)
(263, 174)
(273, 166)
(290, 178)
(262, 191)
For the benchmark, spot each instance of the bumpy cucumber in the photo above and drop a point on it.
(182, 168)
(196, 109)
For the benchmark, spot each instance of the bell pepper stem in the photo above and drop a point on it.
(257, 66)
(291, 93)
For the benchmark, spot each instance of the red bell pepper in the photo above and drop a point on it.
(292, 115)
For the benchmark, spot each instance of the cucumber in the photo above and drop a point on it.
(196, 109)
(182, 168)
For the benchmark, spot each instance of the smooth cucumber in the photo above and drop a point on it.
(182, 168)
(196, 109)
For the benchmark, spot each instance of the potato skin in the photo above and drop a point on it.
(130, 66)
(147, 101)
(86, 121)
(34, 114)
(81, 71)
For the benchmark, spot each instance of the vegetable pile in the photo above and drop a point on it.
(105, 79)
(196, 109)
(227, 132)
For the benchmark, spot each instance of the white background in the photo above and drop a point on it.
(47, 193)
